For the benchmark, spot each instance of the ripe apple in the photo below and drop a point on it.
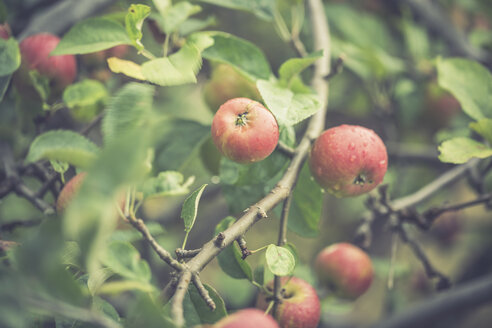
(244, 131)
(345, 269)
(300, 307)
(35, 51)
(69, 190)
(247, 318)
(348, 160)
(5, 32)
(226, 83)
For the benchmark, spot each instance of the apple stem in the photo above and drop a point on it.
(242, 119)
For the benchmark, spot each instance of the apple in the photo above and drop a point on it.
(244, 131)
(226, 83)
(300, 306)
(348, 160)
(35, 51)
(345, 269)
(5, 32)
(247, 318)
(441, 106)
(69, 190)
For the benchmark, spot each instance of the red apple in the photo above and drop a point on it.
(441, 106)
(69, 190)
(244, 131)
(300, 306)
(5, 32)
(247, 318)
(345, 269)
(226, 83)
(348, 160)
(35, 51)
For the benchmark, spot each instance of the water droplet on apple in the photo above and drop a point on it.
(382, 163)
(353, 158)
(351, 146)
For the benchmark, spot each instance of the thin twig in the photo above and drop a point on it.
(203, 291)
(177, 302)
(186, 253)
(245, 252)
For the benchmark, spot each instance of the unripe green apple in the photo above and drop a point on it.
(247, 318)
(5, 32)
(226, 83)
(348, 160)
(35, 51)
(244, 131)
(300, 306)
(345, 269)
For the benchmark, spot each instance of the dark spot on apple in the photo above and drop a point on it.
(242, 119)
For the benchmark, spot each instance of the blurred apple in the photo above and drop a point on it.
(247, 318)
(440, 106)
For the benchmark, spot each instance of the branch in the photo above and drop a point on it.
(284, 187)
(435, 20)
(177, 304)
(458, 300)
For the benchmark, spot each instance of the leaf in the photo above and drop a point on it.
(239, 53)
(178, 14)
(85, 98)
(460, 150)
(133, 22)
(167, 183)
(484, 128)
(288, 107)
(127, 67)
(130, 109)
(279, 260)
(261, 8)
(4, 84)
(259, 274)
(171, 152)
(92, 35)
(306, 206)
(182, 66)
(206, 315)
(121, 286)
(63, 145)
(130, 235)
(230, 259)
(293, 250)
(146, 312)
(124, 259)
(294, 66)
(192, 25)
(10, 57)
(470, 83)
(97, 279)
(190, 208)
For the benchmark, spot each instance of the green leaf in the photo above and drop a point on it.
(60, 167)
(239, 53)
(306, 206)
(293, 249)
(288, 107)
(460, 150)
(470, 83)
(206, 315)
(85, 98)
(171, 152)
(178, 14)
(261, 8)
(41, 84)
(134, 21)
(63, 145)
(130, 109)
(4, 84)
(127, 67)
(10, 57)
(259, 274)
(167, 183)
(146, 312)
(124, 259)
(416, 39)
(190, 208)
(182, 66)
(484, 128)
(294, 66)
(230, 259)
(91, 35)
(121, 286)
(130, 235)
(97, 279)
(192, 25)
(279, 260)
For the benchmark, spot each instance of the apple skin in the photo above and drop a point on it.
(244, 131)
(441, 106)
(300, 307)
(348, 160)
(35, 51)
(345, 269)
(69, 190)
(5, 32)
(226, 83)
(247, 318)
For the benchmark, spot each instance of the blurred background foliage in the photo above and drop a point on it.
(389, 84)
